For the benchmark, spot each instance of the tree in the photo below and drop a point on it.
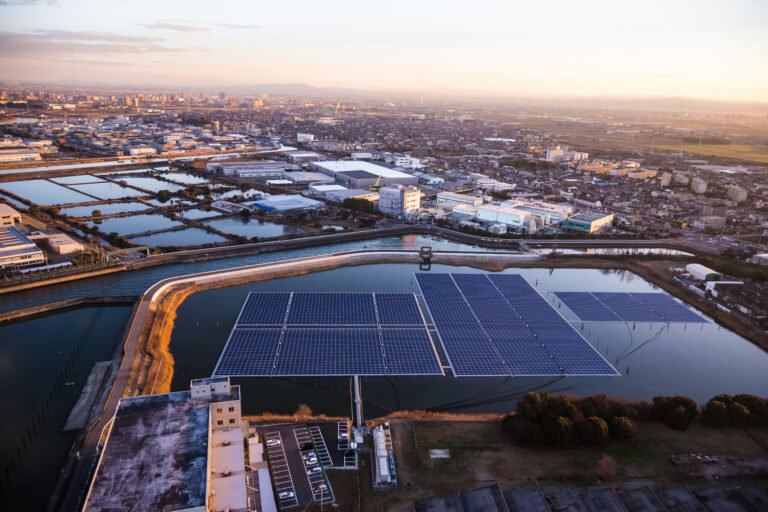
(739, 414)
(533, 405)
(758, 408)
(676, 412)
(716, 414)
(163, 196)
(559, 430)
(303, 410)
(622, 428)
(592, 431)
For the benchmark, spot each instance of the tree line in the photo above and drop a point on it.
(542, 419)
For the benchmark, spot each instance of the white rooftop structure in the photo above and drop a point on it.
(336, 166)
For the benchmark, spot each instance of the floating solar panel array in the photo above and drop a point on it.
(627, 307)
(341, 334)
(499, 325)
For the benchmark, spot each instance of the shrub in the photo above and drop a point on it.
(622, 428)
(757, 406)
(716, 414)
(592, 431)
(602, 406)
(676, 412)
(605, 468)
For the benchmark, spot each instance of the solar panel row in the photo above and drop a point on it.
(629, 307)
(300, 334)
(499, 325)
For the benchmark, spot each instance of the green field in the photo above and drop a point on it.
(744, 152)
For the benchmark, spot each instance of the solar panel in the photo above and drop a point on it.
(627, 307)
(409, 352)
(332, 309)
(264, 309)
(587, 307)
(667, 307)
(249, 352)
(330, 352)
(570, 351)
(331, 334)
(499, 325)
(398, 309)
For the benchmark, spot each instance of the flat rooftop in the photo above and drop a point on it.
(360, 165)
(155, 458)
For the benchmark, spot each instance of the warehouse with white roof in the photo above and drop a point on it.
(362, 174)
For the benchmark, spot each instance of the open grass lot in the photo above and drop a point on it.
(481, 454)
(744, 152)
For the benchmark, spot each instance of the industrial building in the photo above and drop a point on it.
(9, 216)
(305, 178)
(254, 169)
(399, 201)
(179, 451)
(17, 250)
(588, 222)
(545, 213)
(702, 273)
(339, 196)
(384, 475)
(518, 219)
(363, 174)
(448, 200)
(285, 203)
(303, 157)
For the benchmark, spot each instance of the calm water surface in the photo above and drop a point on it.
(183, 238)
(134, 224)
(250, 228)
(699, 360)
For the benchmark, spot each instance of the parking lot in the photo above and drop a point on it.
(299, 454)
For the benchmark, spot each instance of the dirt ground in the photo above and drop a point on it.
(480, 454)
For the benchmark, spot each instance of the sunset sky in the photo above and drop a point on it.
(701, 48)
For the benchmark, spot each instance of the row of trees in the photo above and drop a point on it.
(736, 411)
(544, 419)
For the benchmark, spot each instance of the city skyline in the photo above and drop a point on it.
(484, 49)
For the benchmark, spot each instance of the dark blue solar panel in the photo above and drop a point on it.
(467, 347)
(668, 308)
(409, 352)
(587, 307)
(264, 309)
(332, 309)
(517, 346)
(570, 351)
(249, 352)
(398, 309)
(627, 307)
(260, 349)
(346, 351)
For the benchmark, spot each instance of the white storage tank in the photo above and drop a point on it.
(702, 273)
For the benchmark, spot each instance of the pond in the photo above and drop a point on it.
(43, 192)
(184, 178)
(181, 238)
(134, 224)
(108, 190)
(250, 228)
(149, 183)
(105, 209)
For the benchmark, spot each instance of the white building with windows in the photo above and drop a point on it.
(17, 250)
(399, 201)
(448, 200)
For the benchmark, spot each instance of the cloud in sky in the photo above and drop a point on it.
(191, 26)
(41, 43)
(27, 2)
